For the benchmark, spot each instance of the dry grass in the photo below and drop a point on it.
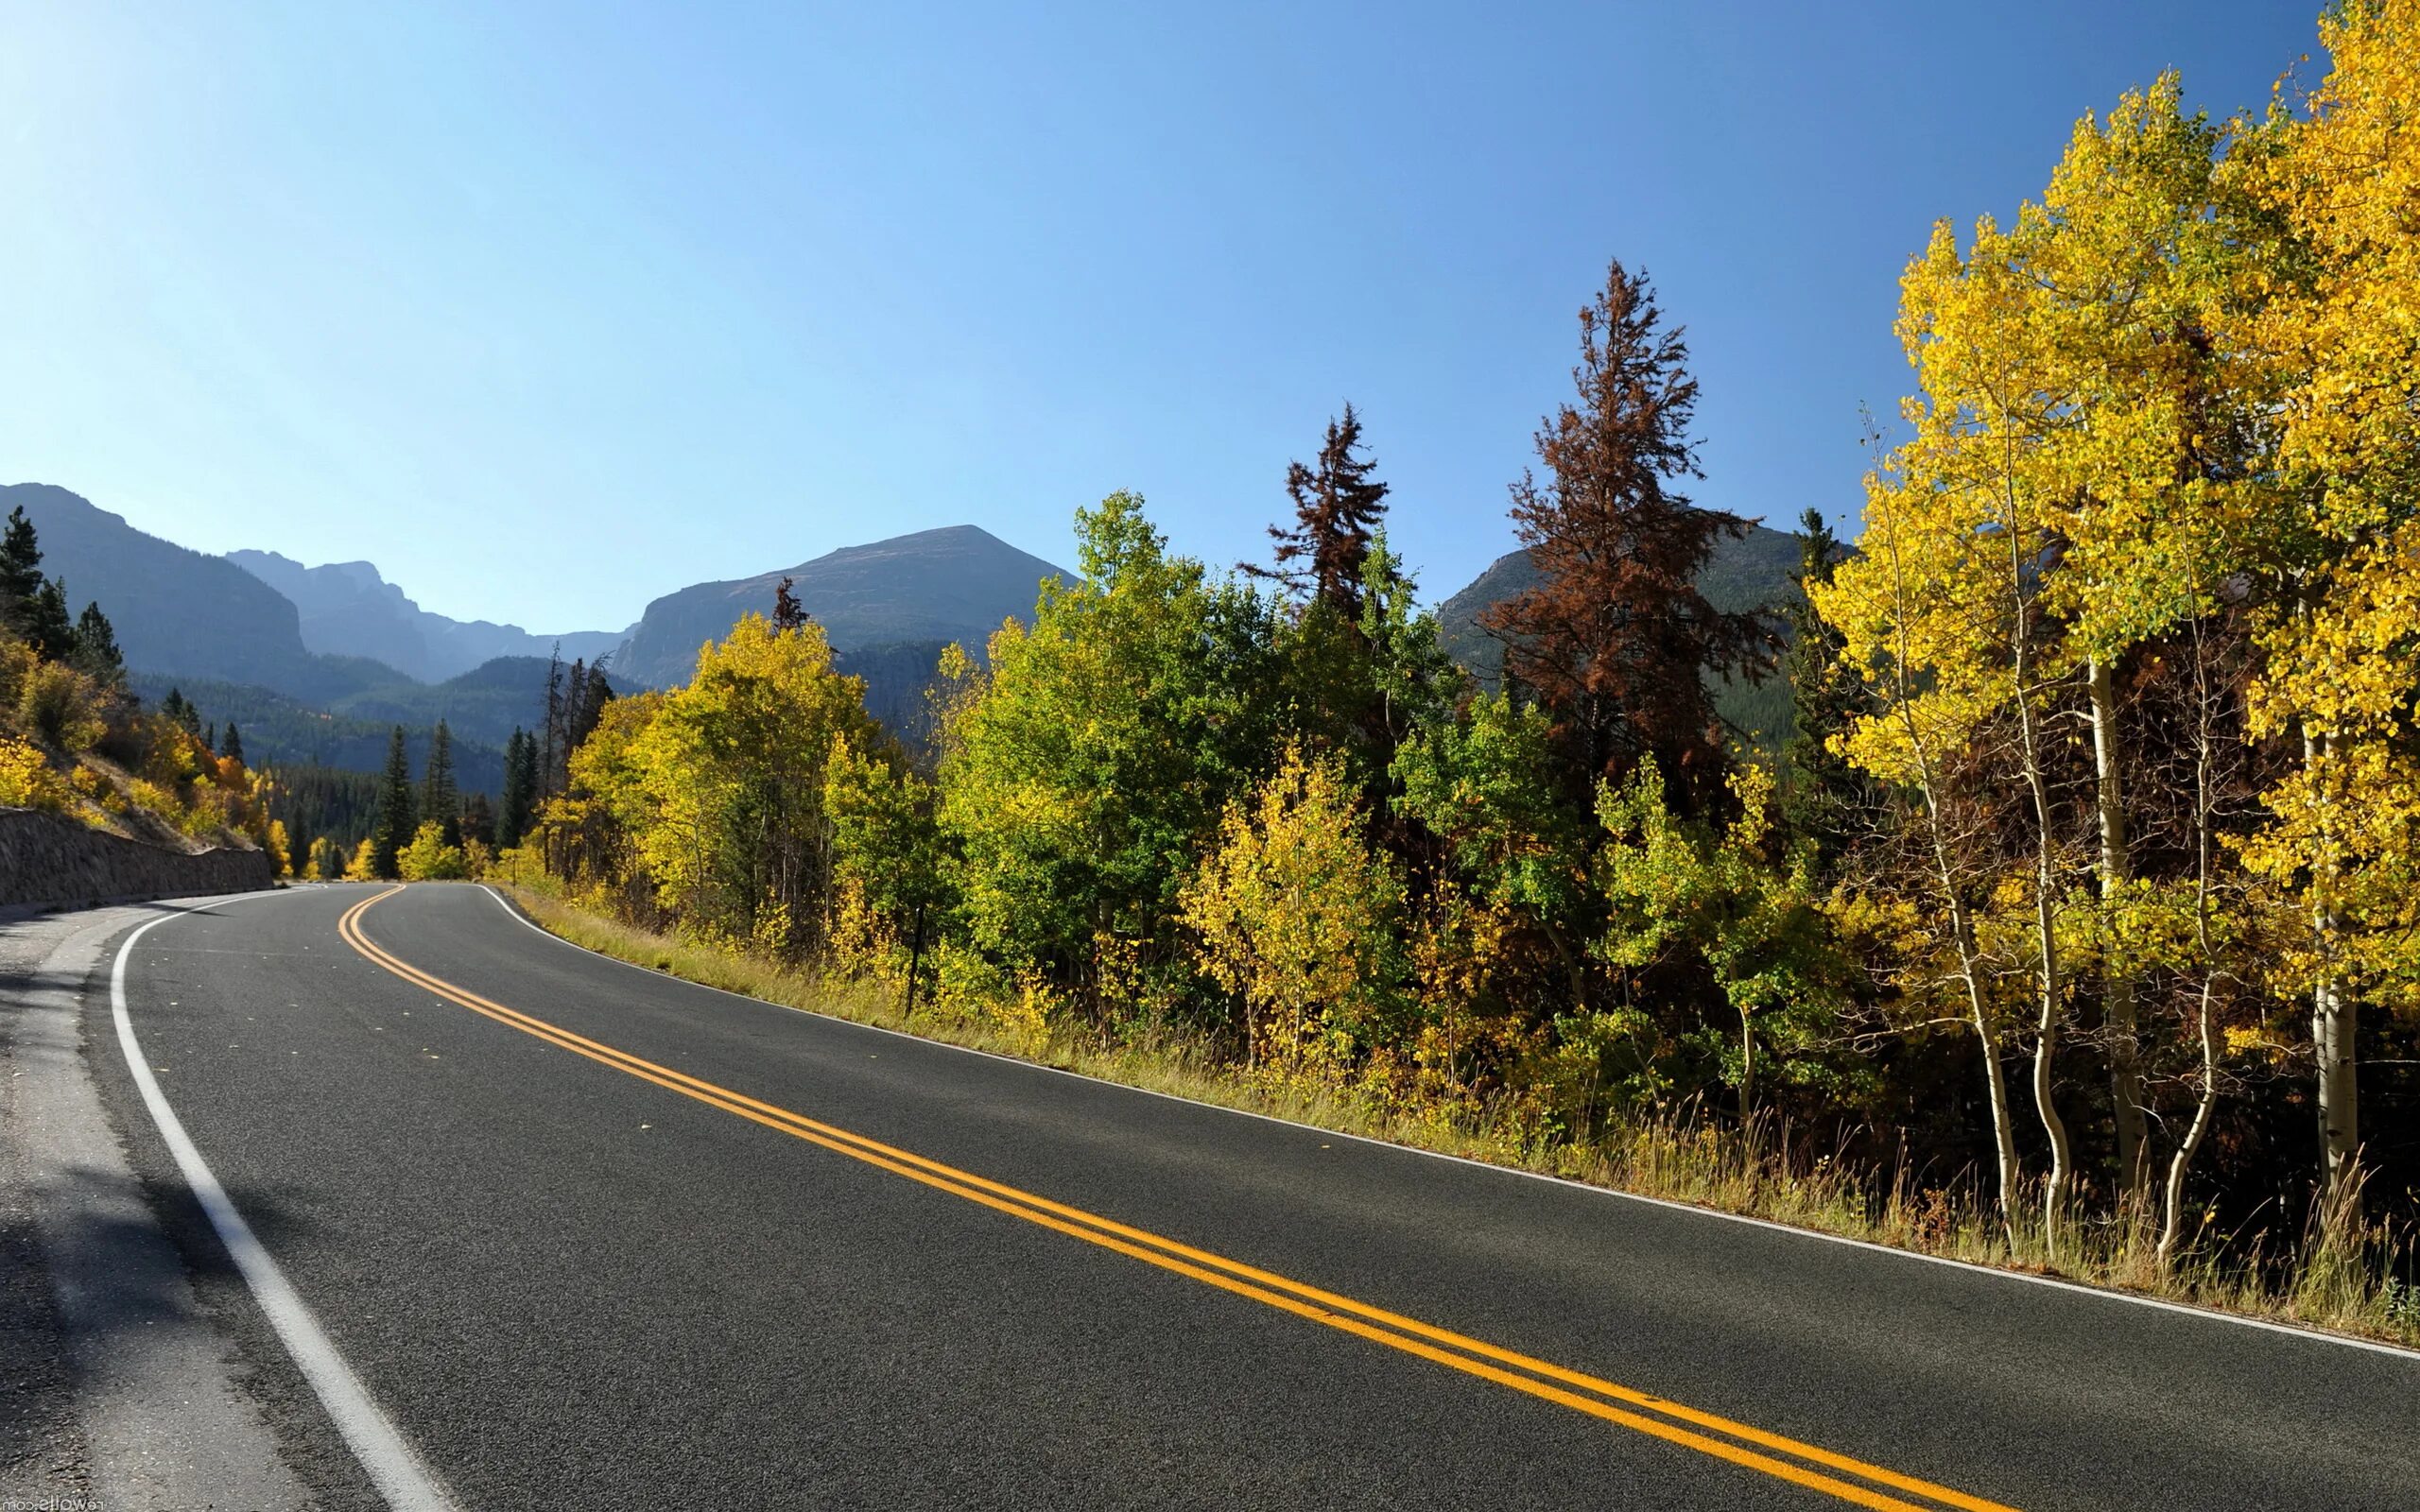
(2346, 1286)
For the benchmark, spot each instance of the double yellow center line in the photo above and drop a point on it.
(1821, 1469)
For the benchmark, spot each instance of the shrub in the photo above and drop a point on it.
(26, 780)
(428, 858)
(61, 707)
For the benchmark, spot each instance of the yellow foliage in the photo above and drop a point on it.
(26, 780)
(428, 858)
(1297, 914)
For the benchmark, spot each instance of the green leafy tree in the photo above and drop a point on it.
(1690, 893)
(1078, 774)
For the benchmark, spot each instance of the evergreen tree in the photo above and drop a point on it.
(585, 694)
(520, 789)
(210, 738)
(43, 622)
(788, 614)
(232, 745)
(1825, 798)
(478, 821)
(20, 563)
(396, 819)
(552, 755)
(95, 650)
(1614, 641)
(439, 800)
(1338, 507)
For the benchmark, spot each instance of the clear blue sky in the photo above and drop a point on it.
(548, 309)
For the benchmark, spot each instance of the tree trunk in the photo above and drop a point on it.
(2048, 978)
(2340, 1093)
(2118, 985)
(2172, 1200)
(2332, 1016)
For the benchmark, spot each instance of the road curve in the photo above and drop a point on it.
(593, 1237)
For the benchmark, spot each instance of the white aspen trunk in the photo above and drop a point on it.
(2172, 1199)
(2332, 1021)
(2118, 985)
(2205, 1021)
(2048, 977)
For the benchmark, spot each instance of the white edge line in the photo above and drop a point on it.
(2106, 1293)
(401, 1478)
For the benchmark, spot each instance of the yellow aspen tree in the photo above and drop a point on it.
(1980, 520)
(2342, 653)
(1904, 606)
(2137, 262)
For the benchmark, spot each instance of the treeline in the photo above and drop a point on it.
(2088, 872)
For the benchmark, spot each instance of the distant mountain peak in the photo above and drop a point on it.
(949, 583)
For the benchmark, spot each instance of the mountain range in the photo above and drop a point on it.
(317, 663)
(347, 609)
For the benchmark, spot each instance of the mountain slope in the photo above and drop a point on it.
(1760, 570)
(284, 731)
(348, 609)
(175, 611)
(952, 584)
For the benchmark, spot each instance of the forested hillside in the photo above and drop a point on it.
(2072, 925)
(180, 612)
(75, 742)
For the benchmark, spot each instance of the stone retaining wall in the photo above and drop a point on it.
(45, 859)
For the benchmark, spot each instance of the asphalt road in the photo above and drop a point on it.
(592, 1237)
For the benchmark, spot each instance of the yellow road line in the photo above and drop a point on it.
(1396, 1331)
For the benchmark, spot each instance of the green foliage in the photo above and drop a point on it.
(1080, 774)
(1693, 894)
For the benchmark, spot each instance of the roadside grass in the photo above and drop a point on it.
(2344, 1282)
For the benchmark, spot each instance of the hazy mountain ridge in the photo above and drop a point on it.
(349, 609)
(957, 583)
(177, 612)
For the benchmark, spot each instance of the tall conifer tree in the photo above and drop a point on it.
(1614, 640)
(396, 818)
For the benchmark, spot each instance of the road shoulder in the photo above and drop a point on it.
(133, 1395)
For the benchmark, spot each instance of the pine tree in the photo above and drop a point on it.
(1825, 798)
(520, 789)
(95, 646)
(210, 738)
(396, 818)
(440, 799)
(788, 614)
(589, 694)
(478, 821)
(233, 744)
(1338, 507)
(20, 563)
(1614, 641)
(42, 620)
(550, 746)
